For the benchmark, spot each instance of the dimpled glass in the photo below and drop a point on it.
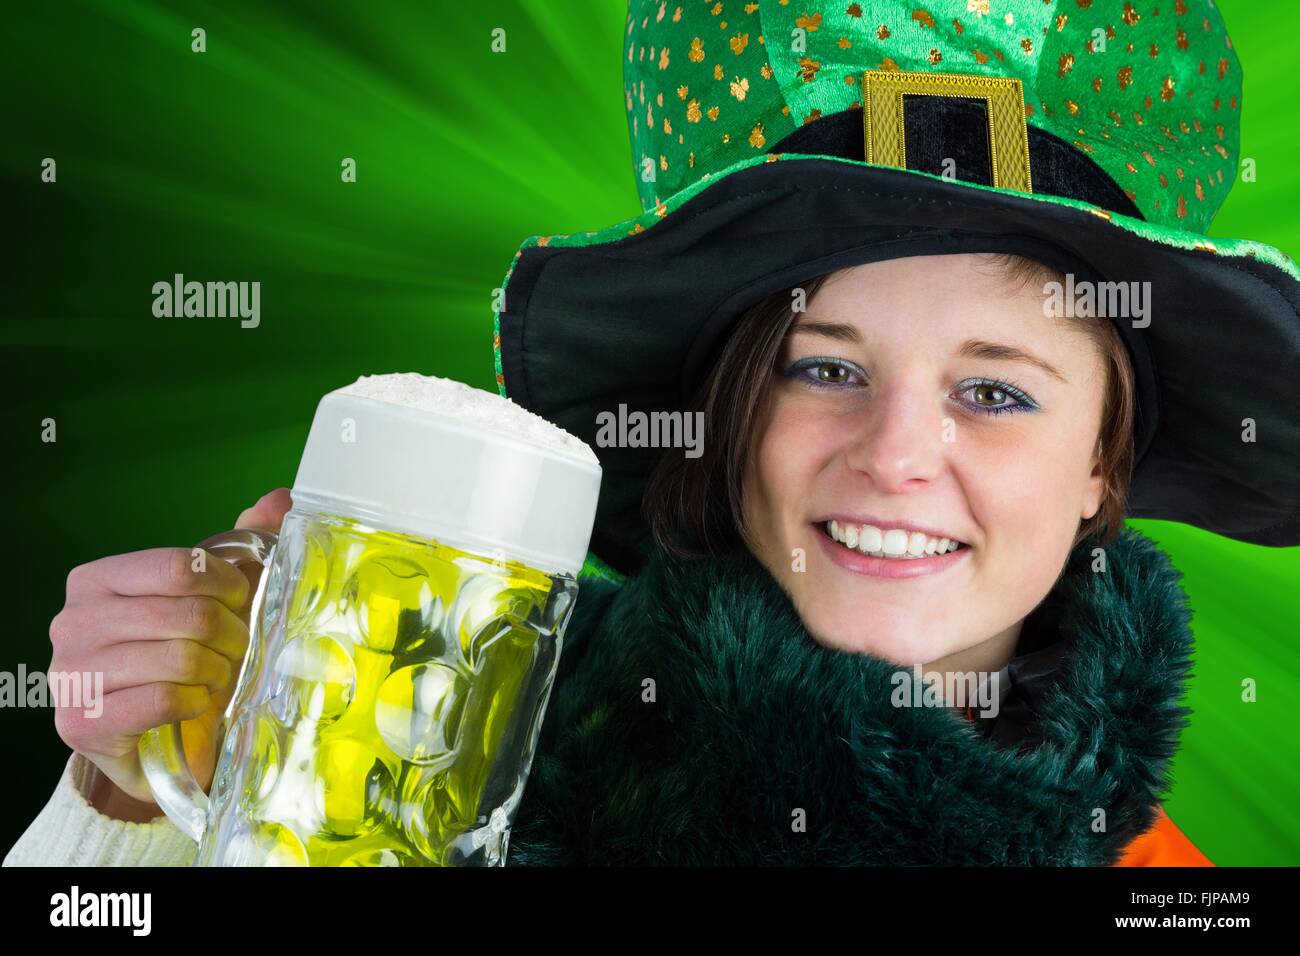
(390, 703)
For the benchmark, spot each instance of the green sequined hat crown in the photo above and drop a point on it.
(777, 140)
(1151, 96)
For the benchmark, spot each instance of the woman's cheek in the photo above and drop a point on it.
(767, 482)
(788, 456)
(1021, 507)
(1029, 540)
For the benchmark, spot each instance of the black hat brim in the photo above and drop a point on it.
(639, 320)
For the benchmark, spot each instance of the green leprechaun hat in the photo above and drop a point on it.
(780, 139)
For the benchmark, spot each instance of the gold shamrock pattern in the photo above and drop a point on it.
(1147, 89)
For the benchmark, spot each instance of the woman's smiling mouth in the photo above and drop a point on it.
(887, 552)
(889, 542)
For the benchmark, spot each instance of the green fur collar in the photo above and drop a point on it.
(754, 721)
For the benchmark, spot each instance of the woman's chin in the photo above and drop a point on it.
(901, 642)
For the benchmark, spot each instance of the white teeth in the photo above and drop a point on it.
(895, 543)
(869, 540)
(891, 543)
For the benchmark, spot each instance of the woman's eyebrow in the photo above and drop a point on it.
(972, 348)
(978, 348)
(840, 331)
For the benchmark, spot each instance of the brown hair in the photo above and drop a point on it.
(694, 506)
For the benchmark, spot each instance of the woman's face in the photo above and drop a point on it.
(928, 399)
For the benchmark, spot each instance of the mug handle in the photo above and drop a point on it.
(162, 753)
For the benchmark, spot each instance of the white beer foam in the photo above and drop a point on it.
(472, 407)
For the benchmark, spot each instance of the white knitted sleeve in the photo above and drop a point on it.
(70, 832)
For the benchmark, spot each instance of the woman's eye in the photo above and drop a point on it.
(824, 372)
(992, 398)
(982, 396)
(988, 395)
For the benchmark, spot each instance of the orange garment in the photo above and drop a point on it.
(1163, 845)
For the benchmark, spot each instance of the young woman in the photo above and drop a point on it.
(889, 614)
(891, 479)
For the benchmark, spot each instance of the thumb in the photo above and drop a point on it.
(266, 515)
(269, 511)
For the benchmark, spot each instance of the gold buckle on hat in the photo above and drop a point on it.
(882, 118)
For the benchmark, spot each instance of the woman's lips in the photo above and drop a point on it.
(895, 568)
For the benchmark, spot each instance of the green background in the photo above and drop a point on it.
(225, 166)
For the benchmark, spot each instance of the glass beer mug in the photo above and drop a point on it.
(404, 637)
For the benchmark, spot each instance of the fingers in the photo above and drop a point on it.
(268, 513)
(164, 629)
(173, 662)
(110, 621)
(130, 712)
(160, 571)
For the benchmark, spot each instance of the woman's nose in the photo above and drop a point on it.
(899, 441)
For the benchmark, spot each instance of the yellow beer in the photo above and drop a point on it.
(392, 718)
